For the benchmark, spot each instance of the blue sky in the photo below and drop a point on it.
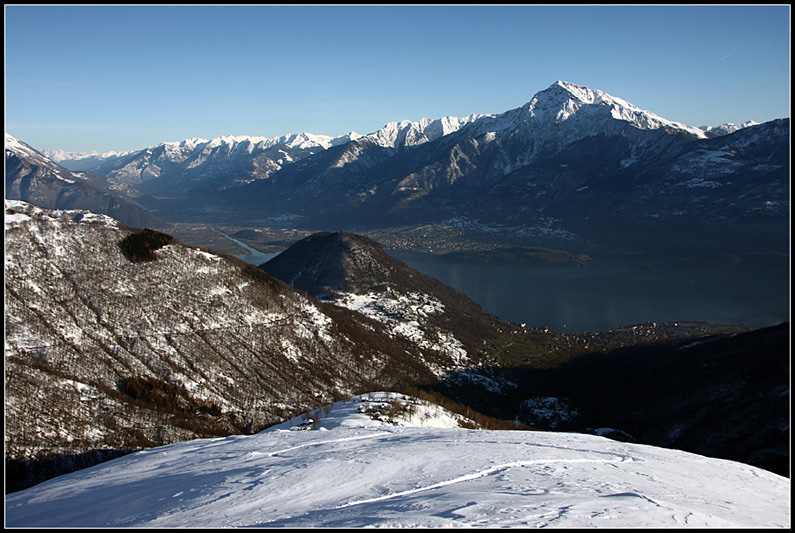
(85, 78)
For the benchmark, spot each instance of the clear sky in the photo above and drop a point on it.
(101, 78)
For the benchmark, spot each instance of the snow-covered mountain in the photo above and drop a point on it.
(20, 149)
(590, 164)
(32, 177)
(201, 164)
(565, 112)
(82, 161)
(388, 460)
(725, 129)
(406, 133)
(272, 153)
(300, 140)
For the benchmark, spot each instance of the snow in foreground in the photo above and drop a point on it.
(341, 467)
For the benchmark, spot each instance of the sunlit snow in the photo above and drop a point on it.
(349, 465)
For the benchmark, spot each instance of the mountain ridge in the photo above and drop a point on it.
(523, 171)
(446, 124)
(355, 273)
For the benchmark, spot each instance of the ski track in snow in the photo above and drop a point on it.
(468, 477)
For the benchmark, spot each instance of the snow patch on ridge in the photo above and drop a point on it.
(406, 316)
(19, 213)
(375, 410)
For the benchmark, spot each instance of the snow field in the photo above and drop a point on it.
(356, 471)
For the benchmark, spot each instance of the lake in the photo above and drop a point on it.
(621, 291)
(615, 291)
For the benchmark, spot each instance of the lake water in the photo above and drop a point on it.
(612, 292)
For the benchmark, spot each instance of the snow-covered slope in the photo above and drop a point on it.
(354, 470)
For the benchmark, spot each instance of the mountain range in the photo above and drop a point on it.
(574, 166)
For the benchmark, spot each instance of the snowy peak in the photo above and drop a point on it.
(302, 140)
(62, 155)
(563, 100)
(197, 149)
(310, 140)
(27, 153)
(728, 128)
(228, 161)
(249, 143)
(14, 145)
(292, 140)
